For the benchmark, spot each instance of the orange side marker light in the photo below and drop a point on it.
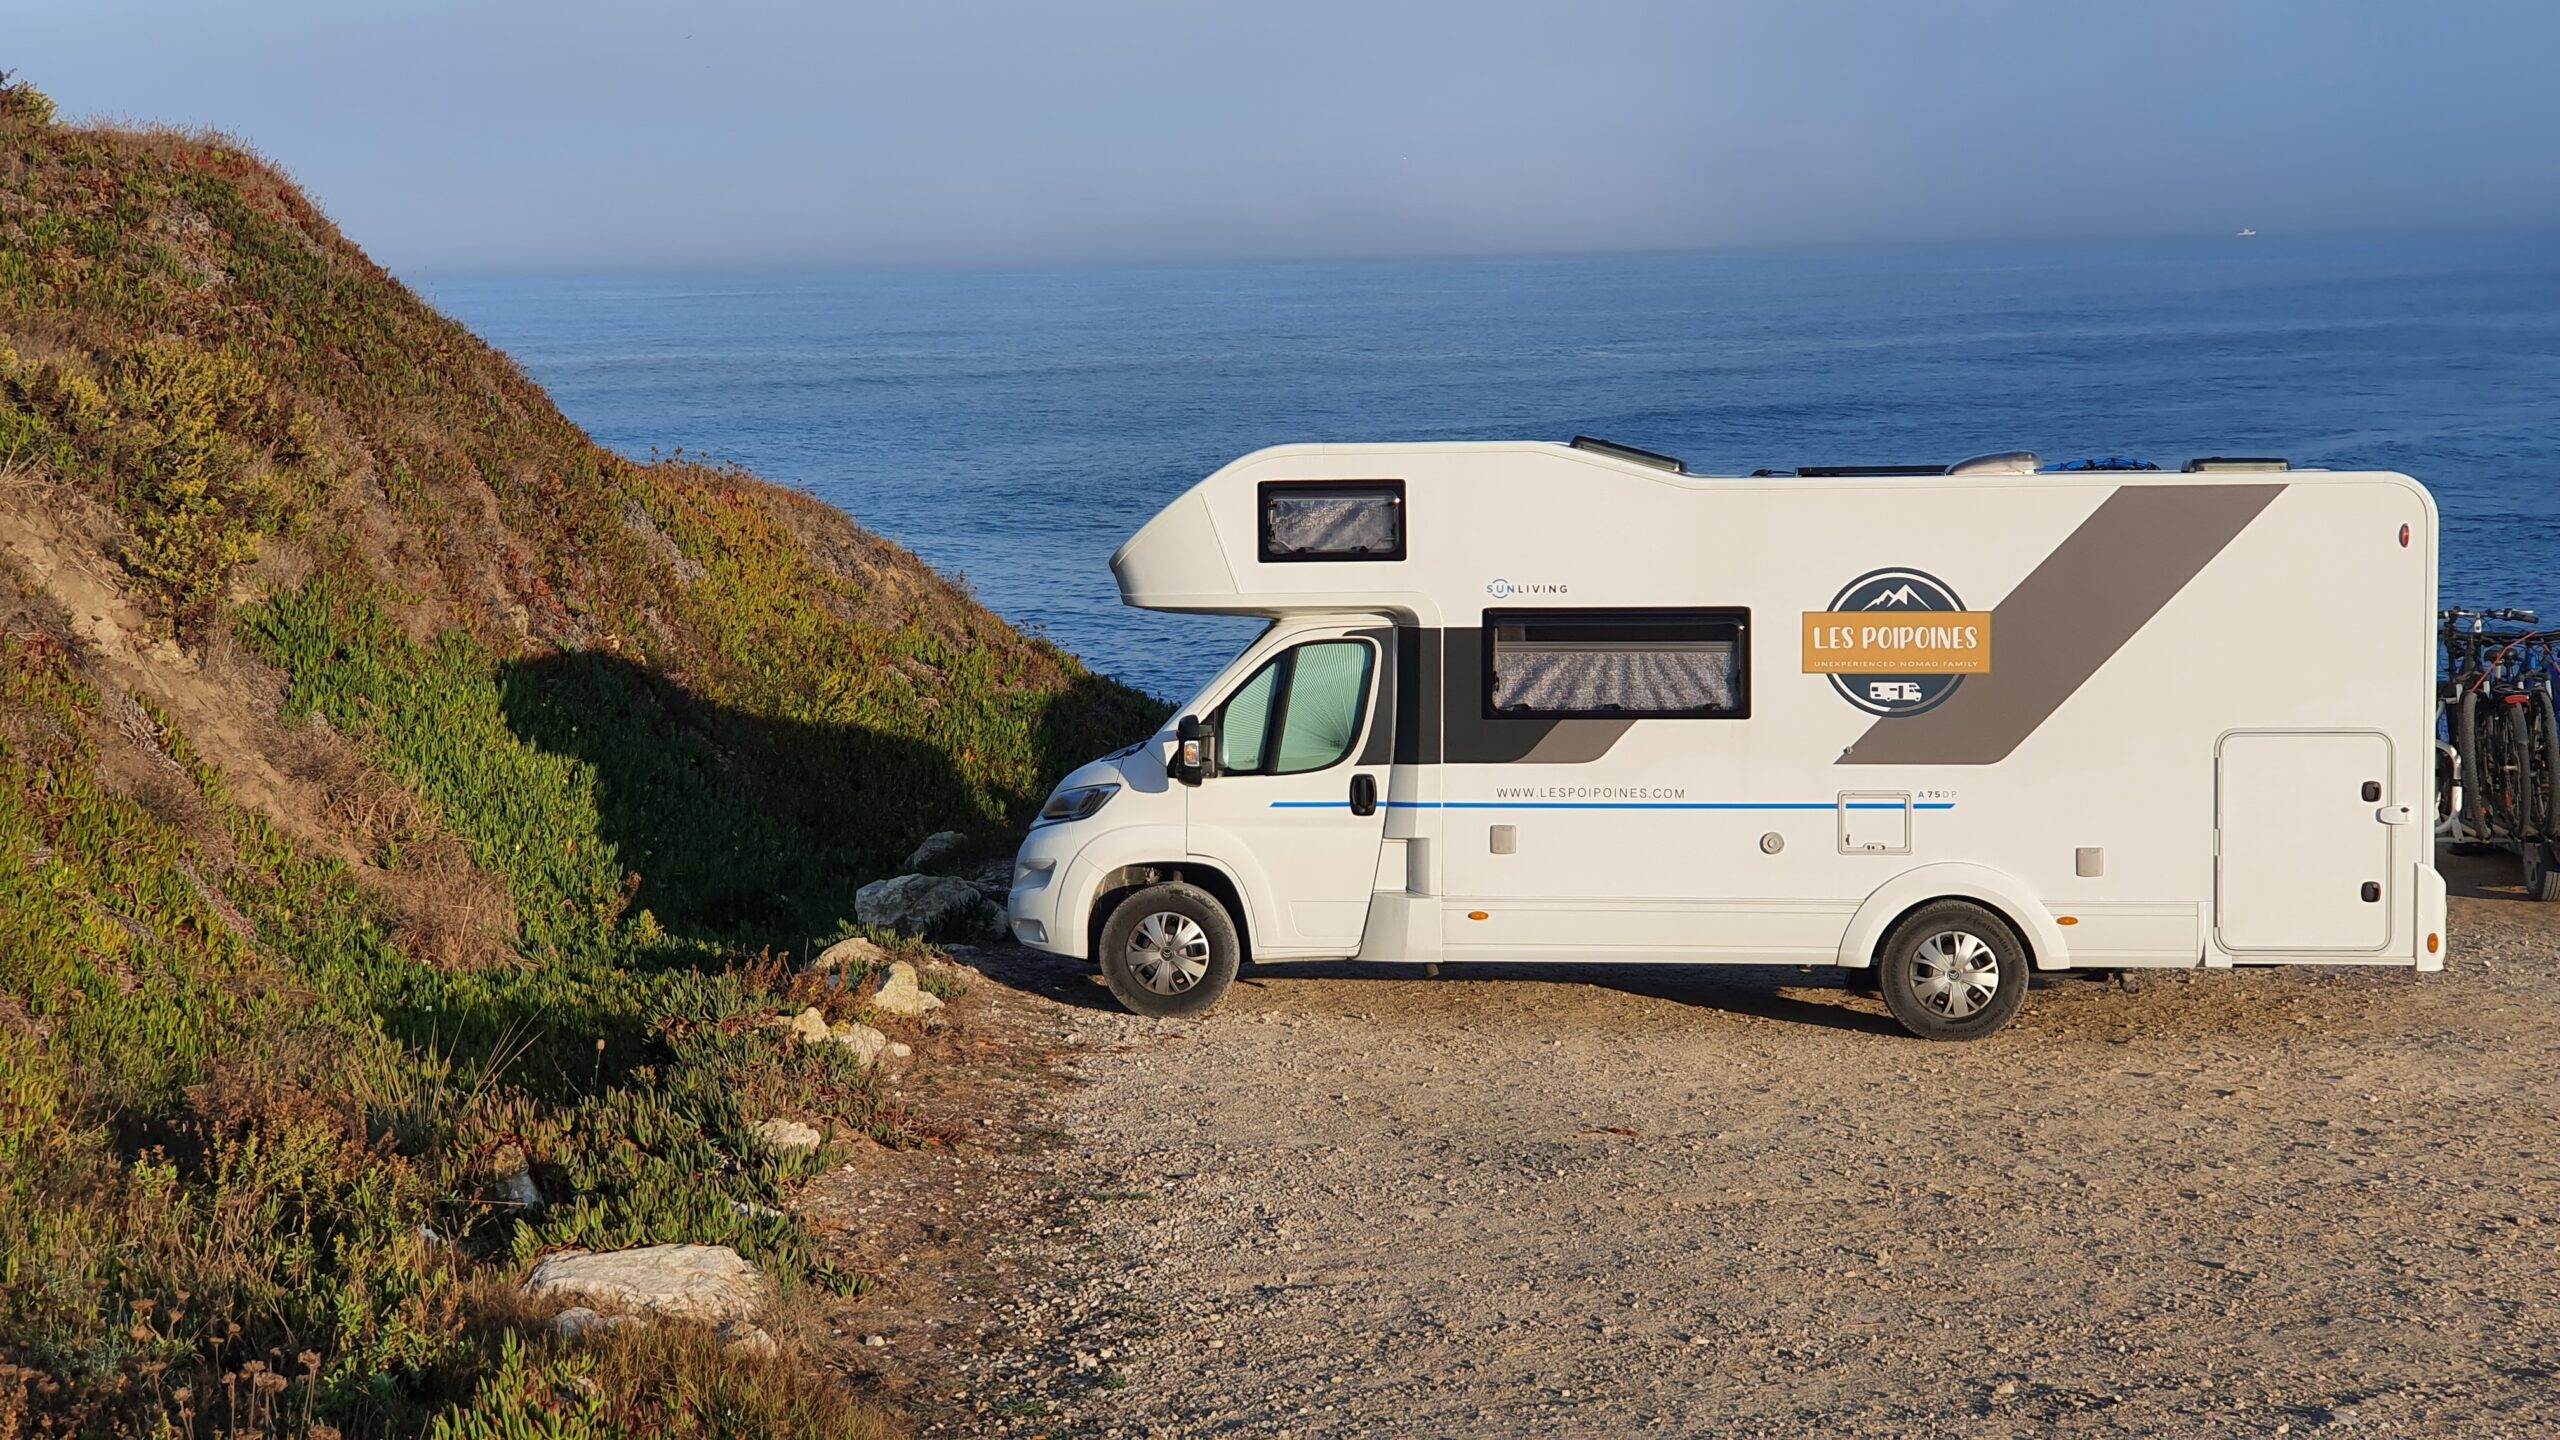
(1478, 915)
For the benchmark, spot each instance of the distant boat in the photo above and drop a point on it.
(2245, 234)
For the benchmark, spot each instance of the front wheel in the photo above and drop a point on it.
(1953, 971)
(1170, 951)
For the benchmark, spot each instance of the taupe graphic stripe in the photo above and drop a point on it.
(2105, 581)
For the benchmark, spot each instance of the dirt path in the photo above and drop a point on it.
(1683, 1202)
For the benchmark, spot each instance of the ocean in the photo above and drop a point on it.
(1013, 428)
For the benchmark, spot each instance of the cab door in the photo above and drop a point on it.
(1294, 804)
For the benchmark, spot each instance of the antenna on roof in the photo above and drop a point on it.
(1616, 451)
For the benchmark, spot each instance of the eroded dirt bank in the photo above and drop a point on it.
(1741, 1202)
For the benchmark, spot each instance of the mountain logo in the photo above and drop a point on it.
(1896, 642)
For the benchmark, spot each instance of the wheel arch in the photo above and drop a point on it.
(1997, 891)
(1119, 884)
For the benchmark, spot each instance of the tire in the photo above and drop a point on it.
(2447, 778)
(2544, 716)
(1170, 951)
(1934, 965)
(2495, 777)
(2541, 873)
(2466, 745)
(2524, 760)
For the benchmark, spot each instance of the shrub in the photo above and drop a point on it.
(23, 104)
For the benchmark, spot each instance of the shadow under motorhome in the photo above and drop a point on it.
(1531, 702)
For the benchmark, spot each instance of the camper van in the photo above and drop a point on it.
(1939, 727)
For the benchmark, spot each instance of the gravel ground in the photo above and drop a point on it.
(1741, 1202)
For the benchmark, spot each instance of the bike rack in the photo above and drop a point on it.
(2507, 659)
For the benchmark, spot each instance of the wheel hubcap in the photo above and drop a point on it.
(1955, 973)
(1168, 953)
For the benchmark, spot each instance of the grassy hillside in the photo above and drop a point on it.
(393, 783)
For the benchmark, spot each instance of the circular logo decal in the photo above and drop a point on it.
(1886, 592)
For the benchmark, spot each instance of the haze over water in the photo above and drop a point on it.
(1015, 427)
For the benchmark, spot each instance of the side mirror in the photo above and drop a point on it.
(1190, 751)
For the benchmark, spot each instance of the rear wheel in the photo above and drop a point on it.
(2542, 719)
(1952, 970)
(1169, 951)
(2524, 767)
(2541, 872)
(2466, 744)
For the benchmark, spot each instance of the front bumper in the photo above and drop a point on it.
(1036, 909)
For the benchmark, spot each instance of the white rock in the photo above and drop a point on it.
(514, 1179)
(935, 855)
(704, 1283)
(578, 1320)
(788, 1136)
(937, 907)
(851, 954)
(865, 1042)
(902, 993)
(900, 1049)
(740, 1338)
(810, 1025)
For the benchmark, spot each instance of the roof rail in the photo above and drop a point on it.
(2209, 464)
(1616, 451)
(1833, 472)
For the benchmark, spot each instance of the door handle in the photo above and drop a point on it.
(1364, 794)
(2394, 815)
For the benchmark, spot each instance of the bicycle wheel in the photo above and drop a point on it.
(2495, 776)
(2525, 776)
(2544, 722)
(2466, 745)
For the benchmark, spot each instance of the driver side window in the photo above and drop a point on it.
(1301, 712)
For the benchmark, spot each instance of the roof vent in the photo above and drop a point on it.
(1616, 451)
(2009, 462)
(2214, 464)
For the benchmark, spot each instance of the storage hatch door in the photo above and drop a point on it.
(2302, 855)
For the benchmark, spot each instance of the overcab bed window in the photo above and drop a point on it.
(1332, 520)
(1617, 664)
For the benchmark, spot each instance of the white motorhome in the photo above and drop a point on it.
(1570, 703)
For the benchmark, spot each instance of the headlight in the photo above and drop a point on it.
(1077, 803)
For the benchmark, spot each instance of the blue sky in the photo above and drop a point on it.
(534, 135)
